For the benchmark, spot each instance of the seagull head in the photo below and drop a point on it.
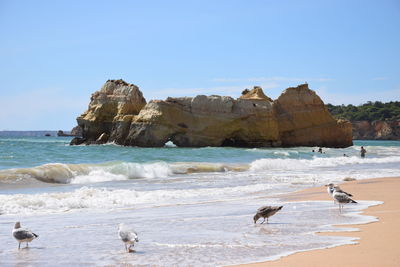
(17, 225)
(256, 217)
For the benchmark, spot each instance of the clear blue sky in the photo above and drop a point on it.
(54, 54)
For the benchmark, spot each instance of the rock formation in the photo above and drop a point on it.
(376, 130)
(110, 109)
(119, 113)
(77, 131)
(304, 120)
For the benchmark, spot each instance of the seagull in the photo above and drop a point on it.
(266, 212)
(341, 198)
(23, 235)
(128, 236)
(331, 188)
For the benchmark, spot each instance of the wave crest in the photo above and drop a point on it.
(112, 171)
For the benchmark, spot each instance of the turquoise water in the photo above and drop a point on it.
(31, 152)
(189, 206)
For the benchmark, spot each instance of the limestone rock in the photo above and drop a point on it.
(255, 94)
(376, 130)
(77, 141)
(114, 105)
(205, 121)
(76, 131)
(304, 120)
(298, 117)
(103, 138)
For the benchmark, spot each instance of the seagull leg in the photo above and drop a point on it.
(263, 221)
(27, 244)
(267, 220)
(19, 245)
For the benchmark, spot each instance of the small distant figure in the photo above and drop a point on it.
(313, 151)
(128, 236)
(344, 155)
(23, 235)
(362, 152)
(320, 150)
(266, 212)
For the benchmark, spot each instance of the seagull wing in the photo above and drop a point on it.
(21, 234)
(341, 191)
(342, 198)
(264, 209)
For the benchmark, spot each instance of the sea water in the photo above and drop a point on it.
(190, 206)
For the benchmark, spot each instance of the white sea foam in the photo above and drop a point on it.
(105, 199)
(316, 162)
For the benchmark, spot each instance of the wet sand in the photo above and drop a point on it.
(379, 241)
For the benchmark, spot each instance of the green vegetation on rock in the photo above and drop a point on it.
(369, 111)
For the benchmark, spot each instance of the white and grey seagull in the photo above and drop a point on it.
(331, 187)
(128, 236)
(23, 235)
(266, 212)
(341, 197)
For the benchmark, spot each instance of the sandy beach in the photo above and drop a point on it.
(378, 241)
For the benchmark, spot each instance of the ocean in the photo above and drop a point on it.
(189, 206)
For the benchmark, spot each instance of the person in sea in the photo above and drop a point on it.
(320, 150)
(362, 152)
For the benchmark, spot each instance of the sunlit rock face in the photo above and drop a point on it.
(304, 120)
(376, 130)
(119, 113)
(110, 111)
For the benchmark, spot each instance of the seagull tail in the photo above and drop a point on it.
(36, 236)
(353, 201)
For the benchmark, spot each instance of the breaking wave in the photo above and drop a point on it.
(117, 171)
(93, 173)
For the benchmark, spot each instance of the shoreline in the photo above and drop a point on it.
(376, 242)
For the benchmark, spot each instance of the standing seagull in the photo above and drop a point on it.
(128, 236)
(341, 198)
(331, 188)
(266, 212)
(23, 235)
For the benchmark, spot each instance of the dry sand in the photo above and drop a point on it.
(379, 243)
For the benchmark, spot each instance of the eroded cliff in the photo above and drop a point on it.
(376, 130)
(119, 113)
